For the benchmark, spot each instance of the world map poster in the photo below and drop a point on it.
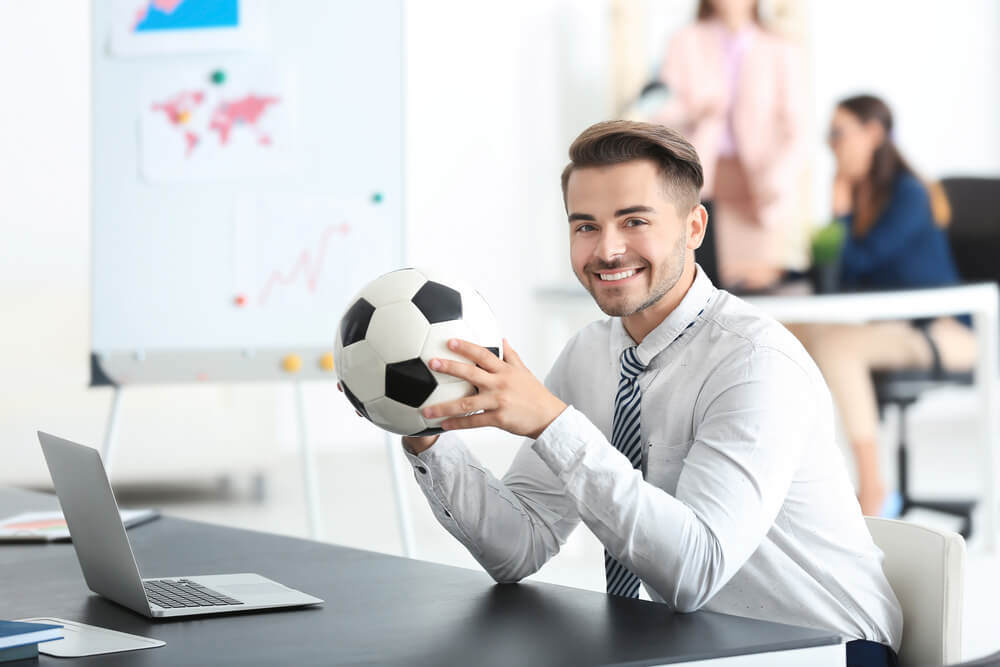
(223, 124)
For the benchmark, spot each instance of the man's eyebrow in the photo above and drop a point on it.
(634, 209)
(629, 210)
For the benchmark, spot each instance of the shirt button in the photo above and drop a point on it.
(423, 470)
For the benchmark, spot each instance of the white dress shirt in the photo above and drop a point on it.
(743, 505)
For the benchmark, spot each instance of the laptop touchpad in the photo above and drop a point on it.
(247, 590)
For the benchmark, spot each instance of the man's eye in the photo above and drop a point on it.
(635, 222)
(585, 228)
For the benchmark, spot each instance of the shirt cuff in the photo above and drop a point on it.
(563, 443)
(440, 459)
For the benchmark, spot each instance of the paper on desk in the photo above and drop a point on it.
(51, 526)
(81, 639)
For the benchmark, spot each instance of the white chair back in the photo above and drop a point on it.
(926, 569)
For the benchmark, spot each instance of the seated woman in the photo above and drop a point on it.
(892, 242)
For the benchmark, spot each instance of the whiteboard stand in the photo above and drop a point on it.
(402, 505)
(112, 429)
(308, 468)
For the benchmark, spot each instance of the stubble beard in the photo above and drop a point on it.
(673, 267)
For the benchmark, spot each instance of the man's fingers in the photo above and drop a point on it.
(510, 356)
(460, 369)
(477, 354)
(460, 407)
(471, 421)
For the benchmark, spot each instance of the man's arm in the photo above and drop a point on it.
(511, 526)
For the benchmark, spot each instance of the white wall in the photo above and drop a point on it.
(495, 93)
(934, 62)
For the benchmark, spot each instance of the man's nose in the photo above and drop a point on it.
(610, 246)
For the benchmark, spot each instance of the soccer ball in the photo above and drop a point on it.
(391, 329)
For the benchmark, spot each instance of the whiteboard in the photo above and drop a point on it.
(246, 183)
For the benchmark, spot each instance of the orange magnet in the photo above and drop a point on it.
(292, 363)
(240, 300)
(326, 361)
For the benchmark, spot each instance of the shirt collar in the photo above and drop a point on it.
(666, 332)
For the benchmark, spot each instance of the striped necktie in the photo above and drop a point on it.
(626, 439)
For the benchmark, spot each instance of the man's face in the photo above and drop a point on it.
(628, 244)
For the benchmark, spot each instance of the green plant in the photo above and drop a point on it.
(826, 243)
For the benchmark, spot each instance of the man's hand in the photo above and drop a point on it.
(509, 397)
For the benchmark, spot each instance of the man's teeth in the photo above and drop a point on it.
(616, 276)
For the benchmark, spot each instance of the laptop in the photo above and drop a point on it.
(108, 563)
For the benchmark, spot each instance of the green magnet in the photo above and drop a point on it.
(218, 77)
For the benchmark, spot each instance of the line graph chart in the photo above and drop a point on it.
(294, 252)
(308, 265)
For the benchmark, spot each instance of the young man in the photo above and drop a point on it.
(691, 433)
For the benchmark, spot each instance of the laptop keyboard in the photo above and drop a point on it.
(175, 593)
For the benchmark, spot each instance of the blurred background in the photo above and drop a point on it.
(492, 94)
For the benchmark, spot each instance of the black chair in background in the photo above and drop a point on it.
(974, 234)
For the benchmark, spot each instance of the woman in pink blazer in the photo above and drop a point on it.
(737, 96)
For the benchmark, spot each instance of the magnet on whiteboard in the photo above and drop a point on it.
(240, 300)
(326, 361)
(292, 363)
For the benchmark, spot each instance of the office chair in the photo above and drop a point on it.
(974, 234)
(926, 570)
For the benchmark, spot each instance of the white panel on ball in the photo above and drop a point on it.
(338, 350)
(395, 417)
(447, 392)
(363, 371)
(396, 286)
(481, 320)
(397, 331)
(436, 345)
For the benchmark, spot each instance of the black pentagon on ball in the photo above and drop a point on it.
(358, 405)
(438, 303)
(434, 430)
(409, 382)
(495, 351)
(354, 325)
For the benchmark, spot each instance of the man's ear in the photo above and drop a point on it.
(696, 224)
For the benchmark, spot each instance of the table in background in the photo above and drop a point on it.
(380, 609)
(981, 300)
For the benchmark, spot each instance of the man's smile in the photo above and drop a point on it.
(618, 276)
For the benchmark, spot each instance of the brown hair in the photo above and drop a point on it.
(887, 163)
(617, 141)
(706, 10)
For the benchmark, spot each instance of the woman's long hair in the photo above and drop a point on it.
(871, 197)
(706, 11)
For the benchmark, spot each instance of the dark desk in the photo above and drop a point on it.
(379, 609)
